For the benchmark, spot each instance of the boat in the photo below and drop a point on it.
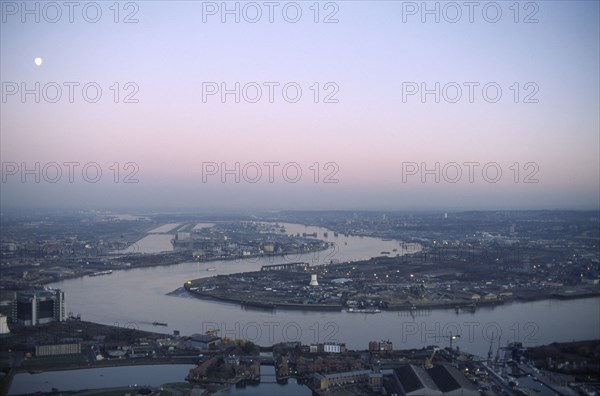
(385, 252)
(362, 310)
(159, 324)
(107, 272)
(211, 269)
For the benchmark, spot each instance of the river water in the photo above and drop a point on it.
(138, 297)
(268, 386)
(105, 377)
(154, 375)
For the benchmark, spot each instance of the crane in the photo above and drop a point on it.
(429, 360)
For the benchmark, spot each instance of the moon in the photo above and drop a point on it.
(38, 61)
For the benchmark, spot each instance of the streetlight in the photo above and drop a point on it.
(452, 337)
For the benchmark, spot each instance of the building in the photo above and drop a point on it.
(201, 341)
(381, 346)
(34, 307)
(320, 381)
(324, 382)
(373, 346)
(451, 382)
(328, 347)
(269, 247)
(334, 347)
(58, 349)
(374, 379)
(411, 380)
(3, 325)
(142, 351)
(282, 366)
(233, 360)
(183, 236)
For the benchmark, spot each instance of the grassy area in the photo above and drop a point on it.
(179, 385)
(45, 361)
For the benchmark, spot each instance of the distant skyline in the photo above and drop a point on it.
(367, 131)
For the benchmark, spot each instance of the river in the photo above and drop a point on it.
(152, 375)
(138, 297)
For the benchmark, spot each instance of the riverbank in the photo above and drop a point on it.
(105, 381)
(259, 304)
(191, 315)
(148, 260)
(6, 383)
(51, 366)
(418, 307)
(31, 269)
(382, 283)
(578, 361)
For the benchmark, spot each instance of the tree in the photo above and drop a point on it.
(248, 348)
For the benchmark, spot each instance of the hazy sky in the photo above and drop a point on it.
(371, 132)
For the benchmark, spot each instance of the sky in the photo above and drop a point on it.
(388, 105)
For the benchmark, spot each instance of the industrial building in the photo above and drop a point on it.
(407, 380)
(374, 379)
(411, 380)
(58, 349)
(35, 307)
(203, 341)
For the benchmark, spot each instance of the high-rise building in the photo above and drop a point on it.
(382, 346)
(34, 307)
(3, 325)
